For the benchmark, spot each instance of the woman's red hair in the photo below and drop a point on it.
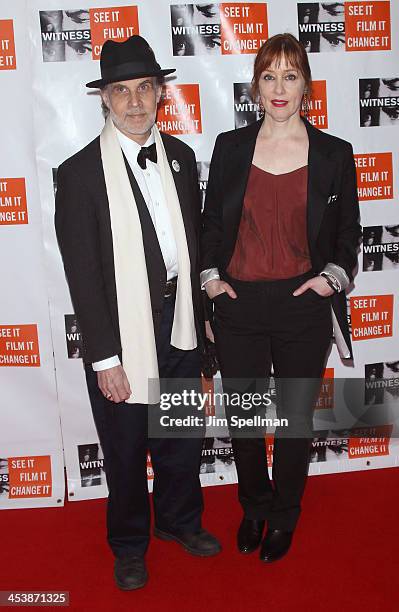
(276, 47)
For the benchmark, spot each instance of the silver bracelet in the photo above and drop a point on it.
(331, 281)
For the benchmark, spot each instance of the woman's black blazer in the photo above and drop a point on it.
(332, 205)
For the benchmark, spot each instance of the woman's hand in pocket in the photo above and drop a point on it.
(318, 284)
(214, 288)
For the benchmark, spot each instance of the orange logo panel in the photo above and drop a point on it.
(30, 477)
(317, 114)
(367, 26)
(150, 471)
(180, 110)
(19, 346)
(208, 388)
(269, 440)
(13, 206)
(370, 442)
(326, 395)
(243, 27)
(8, 60)
(115, 23)
(371, 316)
(374, 176)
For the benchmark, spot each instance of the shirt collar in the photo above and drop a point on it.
(130, 147)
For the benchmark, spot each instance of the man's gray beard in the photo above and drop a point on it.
(123, 129)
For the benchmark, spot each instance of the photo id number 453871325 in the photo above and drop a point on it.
(34, 598)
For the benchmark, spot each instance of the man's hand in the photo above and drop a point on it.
(113, 384)
(216, 287)
(317, 284)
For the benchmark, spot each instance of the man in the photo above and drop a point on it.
(127, 219)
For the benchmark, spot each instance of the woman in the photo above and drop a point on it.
(279, 243)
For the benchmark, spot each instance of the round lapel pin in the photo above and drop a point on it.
(176, 165)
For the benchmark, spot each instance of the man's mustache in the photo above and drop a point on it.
(135, 114)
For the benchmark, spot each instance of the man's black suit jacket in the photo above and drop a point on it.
(332, 223)
(83, 227)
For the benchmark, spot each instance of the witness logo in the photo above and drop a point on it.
(8, 60)
(4, 478)
(357, 443)
(13, 205)
(317, 106)
(19, 346)
(371, 316)
(91, 464)
(381, 383)
(180, 110)
(78, 34)
(344, 26)
(217, 456)
(245, 109)
(326, 448)
(374, 176)
(214, 29)
(203, 174)
(379, 102)
(29, 477)
(380, 248)
(73, 337)
(321, 26)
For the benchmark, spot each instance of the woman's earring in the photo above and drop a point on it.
(261, 108)
(305, 104)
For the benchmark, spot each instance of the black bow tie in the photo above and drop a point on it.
(147, 153)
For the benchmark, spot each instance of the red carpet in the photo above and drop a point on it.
(344, 556)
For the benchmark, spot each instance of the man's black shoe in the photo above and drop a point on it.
(275, 545)
(130, 573)
(249, 535)
(202, 543)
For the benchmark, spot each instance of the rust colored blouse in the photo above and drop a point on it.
(272, 238)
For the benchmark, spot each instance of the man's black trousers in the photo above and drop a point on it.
(123, 433)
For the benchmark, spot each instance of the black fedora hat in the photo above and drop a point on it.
(131, 59)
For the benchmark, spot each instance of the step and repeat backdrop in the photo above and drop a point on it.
(49, 49)
(31, 461)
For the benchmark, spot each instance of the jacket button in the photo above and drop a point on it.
(157, 312)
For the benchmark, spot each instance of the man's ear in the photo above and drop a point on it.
(104, 96)
(158, 92)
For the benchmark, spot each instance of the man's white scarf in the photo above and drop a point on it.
(139, 355)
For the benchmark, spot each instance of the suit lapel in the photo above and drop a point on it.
(321, 171)
(150, 239)
(238, 167)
